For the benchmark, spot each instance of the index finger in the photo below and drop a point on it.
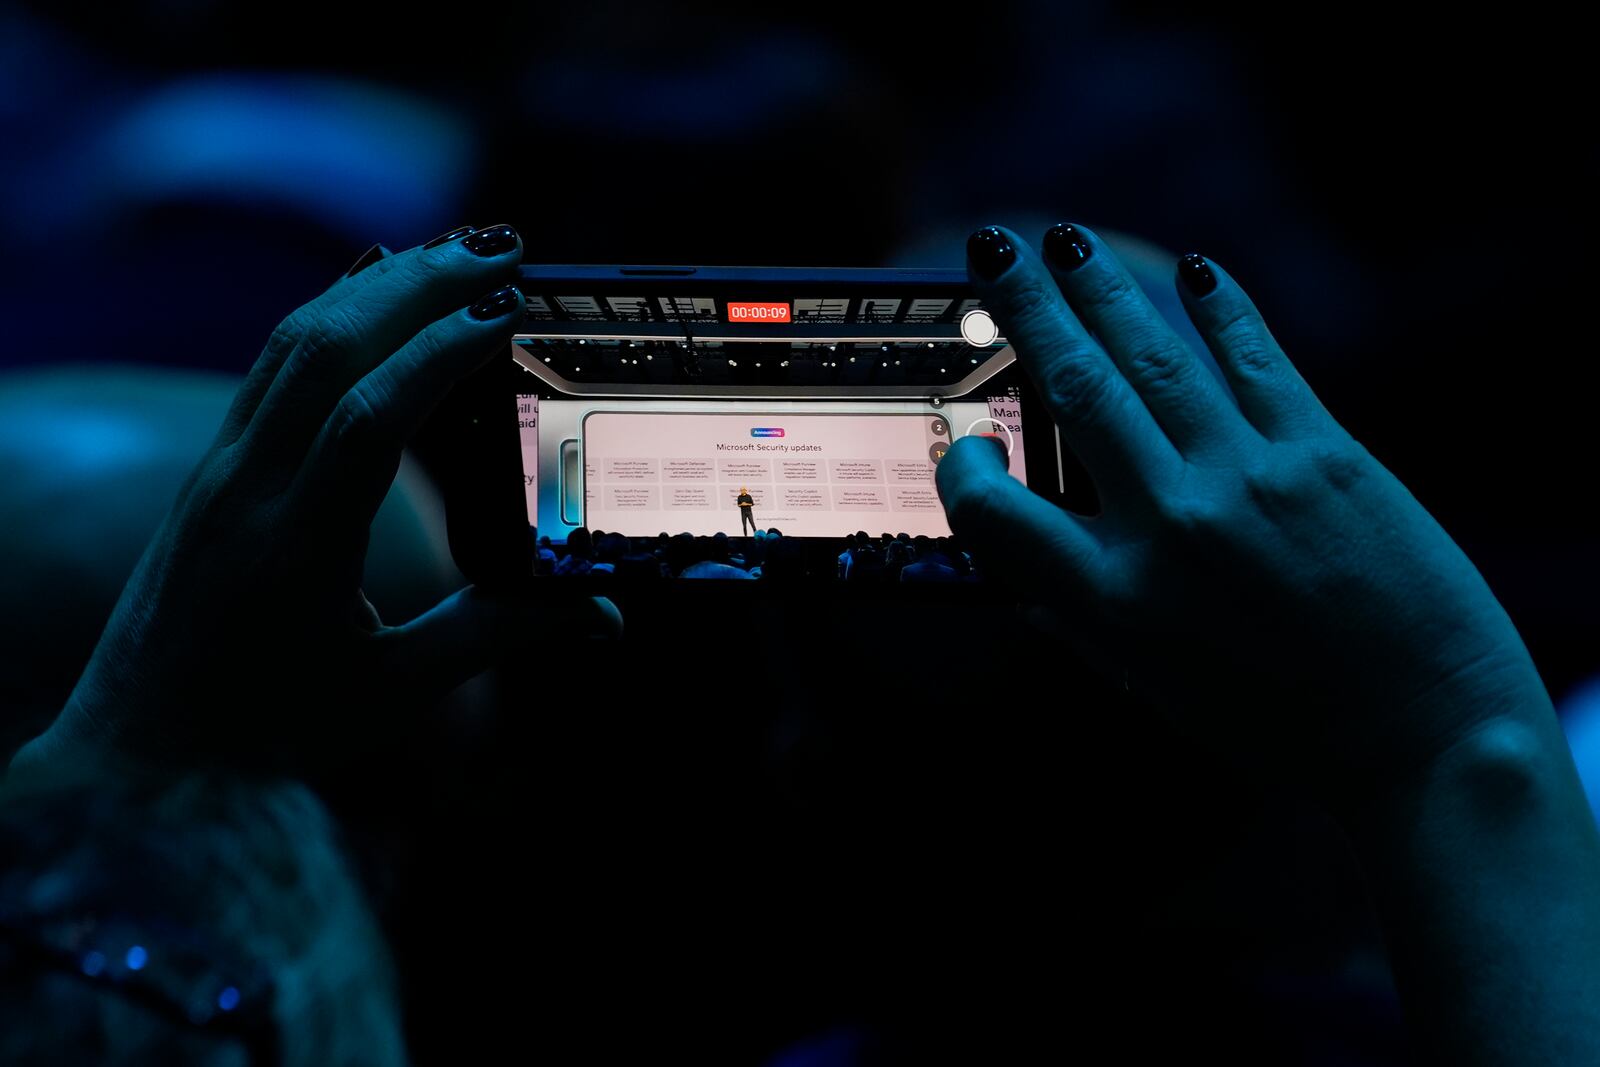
(373, 264)
(1100, 416)
(352, 336)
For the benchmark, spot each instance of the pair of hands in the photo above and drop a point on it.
(1253, 569)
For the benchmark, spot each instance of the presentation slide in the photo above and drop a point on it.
(819, 468)
(809, 475)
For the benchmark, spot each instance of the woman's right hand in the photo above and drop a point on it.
(1253, 570)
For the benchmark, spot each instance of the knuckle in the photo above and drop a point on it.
(431, 345)
(1075, 384)
(1156, 365)
(1189, 514)
(1031, 306)
(1243, 344)
(433, 267)
(1104, 291)
(1265, 485)
(288, 333)
(1287, 480)
(329, 338)
(1340, 464)
(356, 422)
(1193, 513)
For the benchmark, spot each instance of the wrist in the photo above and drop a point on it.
(1496, 773)
(1484, 871)
(1486, 707)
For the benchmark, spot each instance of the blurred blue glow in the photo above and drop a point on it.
(136, 958)
(94, 963)
(77, 441)
(228, 999)
(359, 158)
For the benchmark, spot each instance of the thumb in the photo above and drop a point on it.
(1013, 531)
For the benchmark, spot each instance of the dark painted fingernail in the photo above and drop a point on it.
(1196, 274)
(492, 241)
(1066, 247)
(500, 302)
(368, 258)
(445, 238)
(990, 252)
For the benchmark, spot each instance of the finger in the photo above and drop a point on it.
(1174, 384)
(281, 343)
(372, 264)
(352, 462)
(355, 334)
(1014, 534)
(473, 629)
(1101, 417)
(1271, 393)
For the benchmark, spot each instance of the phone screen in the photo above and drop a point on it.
(683, 416)
(821, 469)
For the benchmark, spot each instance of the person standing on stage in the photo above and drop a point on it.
(747, 505)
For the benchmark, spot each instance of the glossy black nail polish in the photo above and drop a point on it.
(445, 238)
(491, 241)
(500, 302)
(1196, 274)
(1066, 247)
(990, 253)
(368, 258)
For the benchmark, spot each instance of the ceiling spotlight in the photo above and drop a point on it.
(576, 369)
(886, 363)
(833, 348)
(974, 361)
(785, 363)
(731, 363)
(581, 341)
(930, 344)
(941, 370)
(547, 359)
(897, 363)
(852, 359)
(758, 366)
(648, 356)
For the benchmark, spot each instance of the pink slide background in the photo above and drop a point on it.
(828, 475)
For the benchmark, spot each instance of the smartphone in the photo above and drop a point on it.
(655, 402)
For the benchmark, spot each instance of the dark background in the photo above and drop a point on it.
(1410, 206)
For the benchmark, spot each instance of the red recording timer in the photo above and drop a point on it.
(758, 312)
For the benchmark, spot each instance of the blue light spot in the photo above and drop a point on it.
(94, 963)
(228, 999)
(136, 957)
